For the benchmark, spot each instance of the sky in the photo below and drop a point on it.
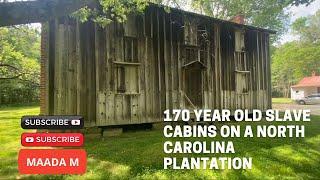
(296, 12)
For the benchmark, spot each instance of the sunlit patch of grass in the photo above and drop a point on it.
(282, 101)
(10, 132)
(139, 155)
(314, 141)
(287, 152)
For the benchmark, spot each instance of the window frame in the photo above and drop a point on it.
(134, 49)
(247, 82)
(119, 65)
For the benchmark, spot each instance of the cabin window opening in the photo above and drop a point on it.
(239, 41)
(194, 56)
(203, 55)
(191, 54)
(203, 43)
(131, 26)
(121, 80)
(127, 78)
(203, 52)
(126, 72)
(242, 82)
(190, 32)
(130, 49)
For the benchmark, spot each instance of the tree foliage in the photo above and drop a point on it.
(292, 62)
(269, 14)
(19, 64)
(110, 10)
(266, 14)
(308, 28)
(295, 60)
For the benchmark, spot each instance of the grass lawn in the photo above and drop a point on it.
(139, 154)
(282, 101)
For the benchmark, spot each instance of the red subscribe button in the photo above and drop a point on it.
(52, 161)
(52, 139)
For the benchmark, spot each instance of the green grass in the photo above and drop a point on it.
(138, 155)
(281, 101)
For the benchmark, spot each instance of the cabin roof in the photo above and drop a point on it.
(312, 81)
(60, 7)
(250, 27)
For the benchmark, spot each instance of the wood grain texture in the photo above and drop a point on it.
(95, 72)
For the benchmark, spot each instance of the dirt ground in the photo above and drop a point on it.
(315, 109)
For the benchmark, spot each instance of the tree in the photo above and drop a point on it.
(110, 10)
(266, 14)
(293, 61)
(19, 64)
(308, 28)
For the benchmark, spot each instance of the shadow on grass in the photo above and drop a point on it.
(140, 154)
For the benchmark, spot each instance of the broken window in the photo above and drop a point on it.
(242, 82)
(242, 73)
(197, 51)
(190, 32)
(127, 78)
(203, 43)
(127, 71)
(130, 26)
(239, 41)
(203, 51)
(121, 80)
(241, 65)
(191, 54)
(130, 49)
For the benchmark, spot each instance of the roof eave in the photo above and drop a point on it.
(216, 20)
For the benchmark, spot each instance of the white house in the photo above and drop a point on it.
(307, 86)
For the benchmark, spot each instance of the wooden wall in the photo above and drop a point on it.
(130, 73)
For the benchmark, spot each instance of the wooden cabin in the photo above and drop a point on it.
(129, 73)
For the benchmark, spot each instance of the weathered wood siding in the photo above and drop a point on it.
(71, 69)
(130, 73)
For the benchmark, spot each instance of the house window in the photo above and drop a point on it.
(130, 49)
